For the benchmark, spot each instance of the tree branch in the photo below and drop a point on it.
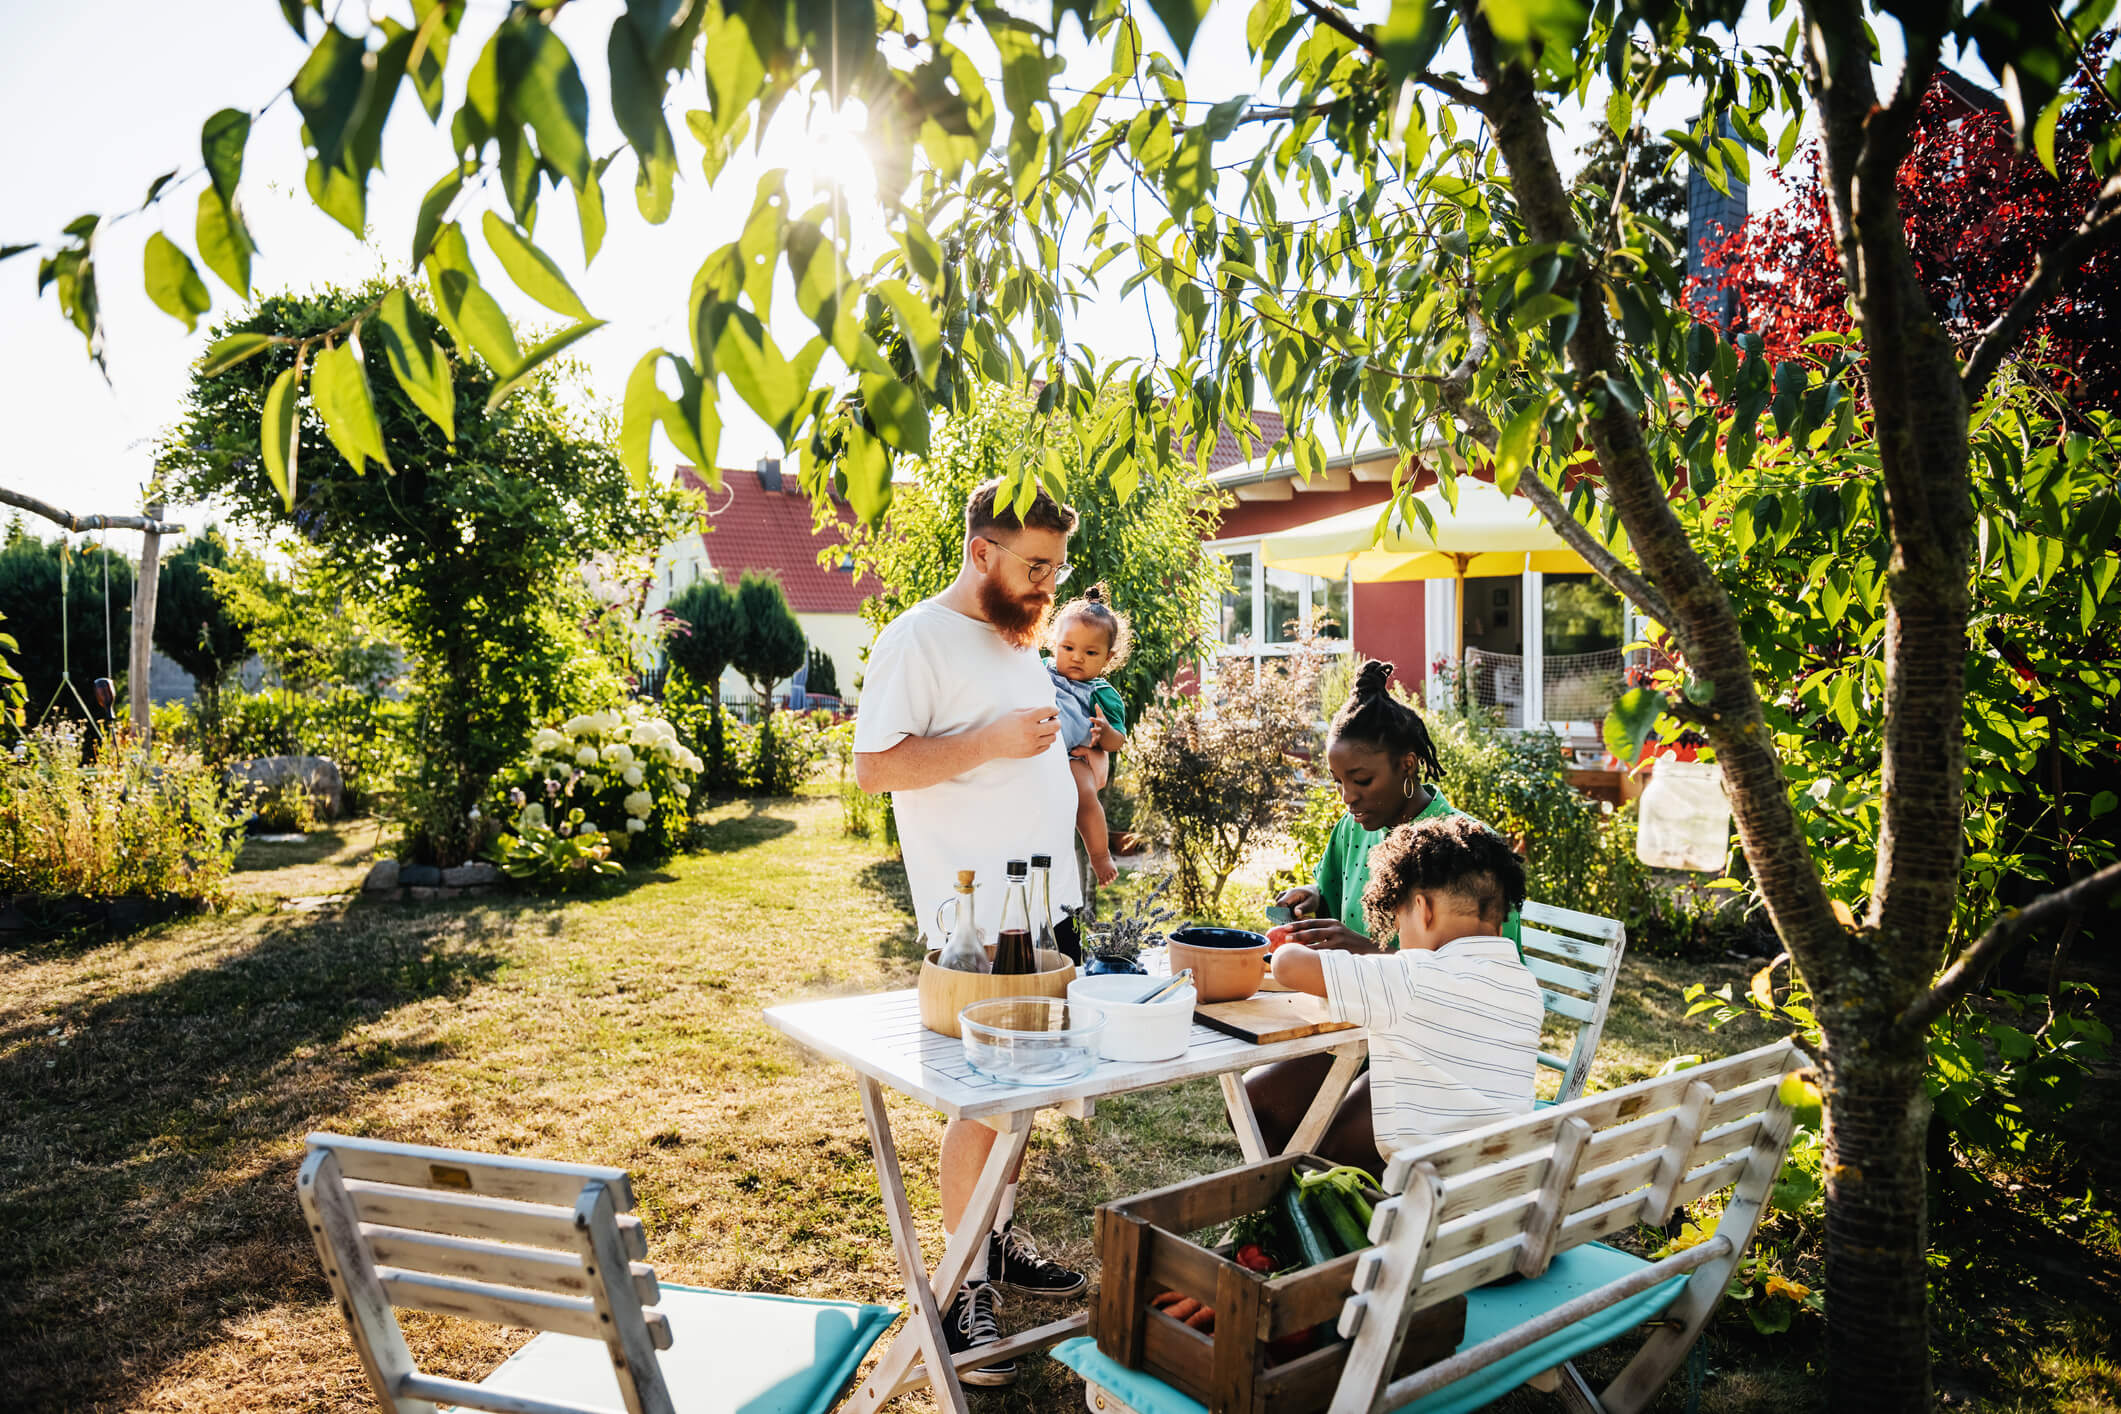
(2003, 935)
(2101, 224)
(1331, 17)
(1454, 388)
(79, 523)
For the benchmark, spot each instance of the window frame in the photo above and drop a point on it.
(1313, 598)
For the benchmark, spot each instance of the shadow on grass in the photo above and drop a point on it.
(757, 826)
(887, 878)
(325, 842)
(149, 1151)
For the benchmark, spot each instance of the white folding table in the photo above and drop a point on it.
(880, 1037)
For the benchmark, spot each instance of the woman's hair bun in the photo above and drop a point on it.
(1373, 680)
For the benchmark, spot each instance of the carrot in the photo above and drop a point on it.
(1183, 1309)
(1166, 1298)
(1203, 1320)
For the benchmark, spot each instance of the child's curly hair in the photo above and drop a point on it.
(1096, 607)
(1453, 854)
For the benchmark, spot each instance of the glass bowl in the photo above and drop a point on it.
(1032, 1040)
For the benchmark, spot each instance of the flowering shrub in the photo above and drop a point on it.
(556, 857)
(621, 772)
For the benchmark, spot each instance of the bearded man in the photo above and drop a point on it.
(958, 723)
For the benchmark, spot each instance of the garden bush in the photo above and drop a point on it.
(1218, 767)
(621, 771)
(368, 738)
(130, 826)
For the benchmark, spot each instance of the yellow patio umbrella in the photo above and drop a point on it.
(1488, 534)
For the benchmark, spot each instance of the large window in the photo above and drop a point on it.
(1580, 639)
(1269, 610)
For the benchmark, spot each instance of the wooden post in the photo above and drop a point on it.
(143, 646)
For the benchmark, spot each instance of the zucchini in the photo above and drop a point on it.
(1338, 1220)
(1315, 1249)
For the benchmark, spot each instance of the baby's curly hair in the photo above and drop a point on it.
(1096, 607)
(1452, 854)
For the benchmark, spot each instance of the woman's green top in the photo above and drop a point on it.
(1344, 869)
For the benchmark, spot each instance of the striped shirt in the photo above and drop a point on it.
(1454, 1035)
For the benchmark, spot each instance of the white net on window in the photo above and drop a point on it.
(1580, 687)
(1496, 681)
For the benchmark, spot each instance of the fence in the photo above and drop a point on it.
(1574, 687)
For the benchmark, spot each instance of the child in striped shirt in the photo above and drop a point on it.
(1453, 1016)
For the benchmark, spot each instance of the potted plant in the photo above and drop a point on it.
(1114, 944)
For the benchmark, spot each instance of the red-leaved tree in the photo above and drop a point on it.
(1979, 215)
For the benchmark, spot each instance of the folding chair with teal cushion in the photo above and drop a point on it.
(1530, 1198)
(553, 1247)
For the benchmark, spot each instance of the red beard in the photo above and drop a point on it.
(1021, 621)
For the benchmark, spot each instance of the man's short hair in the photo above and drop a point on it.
(984, 512)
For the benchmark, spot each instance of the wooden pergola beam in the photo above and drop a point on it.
(152, 525)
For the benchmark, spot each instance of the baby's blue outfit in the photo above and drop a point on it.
(1073, 699)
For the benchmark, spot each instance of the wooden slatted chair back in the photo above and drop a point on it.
(1509, 1197)
(516, 1242)
(1576, 957)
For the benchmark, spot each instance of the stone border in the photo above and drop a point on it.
(389, 880)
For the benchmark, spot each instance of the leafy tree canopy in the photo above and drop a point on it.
(770, 642)
(194, 622)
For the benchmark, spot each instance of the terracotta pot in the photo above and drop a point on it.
(1228, 963)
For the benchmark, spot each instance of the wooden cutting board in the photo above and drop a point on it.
(1282, 1016)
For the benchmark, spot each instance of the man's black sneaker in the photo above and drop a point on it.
(970, 1322)
(1017, 1267)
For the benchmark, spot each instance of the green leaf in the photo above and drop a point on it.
(898, 414)
(1538, 309)
(533, 270)
(432, 207)
(548, 93)
(689, 419)
(1181, 20)
(225, 354)
(339, 195)
(9, 252)
(537, 355)
(435, 24)
(589, 209)
(280, 431)
(221, 142)
(1411, 34)
(2044, 132)
(339, 387)
(224, 241)
(746, 354)
(924, 337)
(1619, 112)
(867, 470)
(417, 362)
(296, 13)
(637, 103)
(1628, 724)
(173, 283)
(1513, 449)
(2103, 803)
(327, 90)
(470, 314)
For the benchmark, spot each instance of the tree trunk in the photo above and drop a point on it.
(1877, 1278)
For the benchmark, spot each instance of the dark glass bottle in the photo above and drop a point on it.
(1013, 955)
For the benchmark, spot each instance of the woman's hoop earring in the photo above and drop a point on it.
(1406, 787)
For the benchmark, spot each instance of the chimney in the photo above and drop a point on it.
(1711, 217)
(769, 473)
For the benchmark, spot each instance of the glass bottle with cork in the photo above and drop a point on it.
(965, 950)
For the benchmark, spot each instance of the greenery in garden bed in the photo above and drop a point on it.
(153, 1096)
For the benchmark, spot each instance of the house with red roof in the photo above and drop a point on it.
(761, 519)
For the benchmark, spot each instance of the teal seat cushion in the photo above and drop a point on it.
(731, 1352)
(1489, 1312)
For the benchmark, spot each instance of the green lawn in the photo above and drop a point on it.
(154, 1093)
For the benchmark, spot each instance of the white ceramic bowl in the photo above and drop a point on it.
(1133, 1032)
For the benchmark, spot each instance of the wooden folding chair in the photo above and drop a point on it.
(1530, 1197)
(1576, 957)
(553, 1247)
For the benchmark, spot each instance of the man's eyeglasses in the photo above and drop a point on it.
(1037, 570)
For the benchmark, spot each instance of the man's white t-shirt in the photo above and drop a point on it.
(1454, 1035)
(936, 672)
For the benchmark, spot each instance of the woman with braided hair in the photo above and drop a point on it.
(1379, 751)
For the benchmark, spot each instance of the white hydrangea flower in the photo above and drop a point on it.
(533, 815)
(578, 726)
(639, 803)
(684, 791)
(634, 827)
(587, 756)
(619, 754)
(593, 781)
(546, 739)
(633, 776)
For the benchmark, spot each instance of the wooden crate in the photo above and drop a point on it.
(1144, 1251)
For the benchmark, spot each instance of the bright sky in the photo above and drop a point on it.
(105, 97)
